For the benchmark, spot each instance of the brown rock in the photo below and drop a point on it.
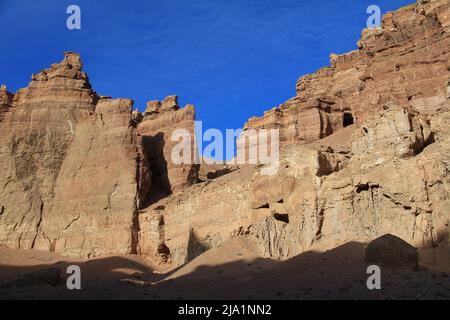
(392, 64)
(395, 133)
(170, 103)
(156, 131)
(70, 161)
(6, 99)
(365, 152)
(391, 251)
(152, 107)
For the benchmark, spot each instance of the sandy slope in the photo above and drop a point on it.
(230, 271)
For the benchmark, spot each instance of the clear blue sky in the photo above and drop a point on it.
(232, 59)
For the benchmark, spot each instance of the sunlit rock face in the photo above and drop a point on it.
(405, 62)
(365, 151)
(69, 161)
(160, 121)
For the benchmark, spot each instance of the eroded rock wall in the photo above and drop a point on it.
(405, 62)
(365, 152)
(69, 158)
(385, 173)
(160, 121)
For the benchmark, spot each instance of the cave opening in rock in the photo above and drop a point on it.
(284, 217)
(348, 119)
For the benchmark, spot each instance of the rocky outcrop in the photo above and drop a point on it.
(394, 133)
(79, 166)
(5, 101)
(405, 62)
(391, 251)
(319, 199)
(160, 121)
(365, 152)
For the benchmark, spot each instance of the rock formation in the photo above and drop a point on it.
(69, 159)
(406, 61)
(5, 100)
(365, 152)
(160, 120)
(391, 251)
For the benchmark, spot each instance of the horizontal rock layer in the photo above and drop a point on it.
(405, 62)
(365, 152)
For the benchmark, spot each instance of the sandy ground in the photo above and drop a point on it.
(231, 271)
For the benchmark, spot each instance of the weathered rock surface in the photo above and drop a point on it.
(69, 179)
(365, 152)
(386, 172)
(78, 166)
(405, 62)
(5, 101)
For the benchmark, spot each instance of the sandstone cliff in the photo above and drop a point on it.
(365, 152)
(406, 62)
(159, 122)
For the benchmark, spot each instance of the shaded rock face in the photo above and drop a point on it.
(159, 122)
(391, 251)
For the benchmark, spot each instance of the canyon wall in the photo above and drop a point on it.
(364, 152)
(159, 123)
(405, 62)
(76, 168)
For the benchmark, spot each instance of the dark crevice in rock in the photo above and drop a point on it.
(195, 246)
(320, 218)
(218, 173)
(135, 229)
(284, 217)
(365, 187)
(163, 252)
(396, 202)
(419, 147)
(38, 225)
(263, 206)
(72, 222)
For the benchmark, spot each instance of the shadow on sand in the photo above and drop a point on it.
(339, 273)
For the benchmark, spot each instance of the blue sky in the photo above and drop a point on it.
(232, 59)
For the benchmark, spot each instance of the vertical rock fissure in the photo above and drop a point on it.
(38, 225)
